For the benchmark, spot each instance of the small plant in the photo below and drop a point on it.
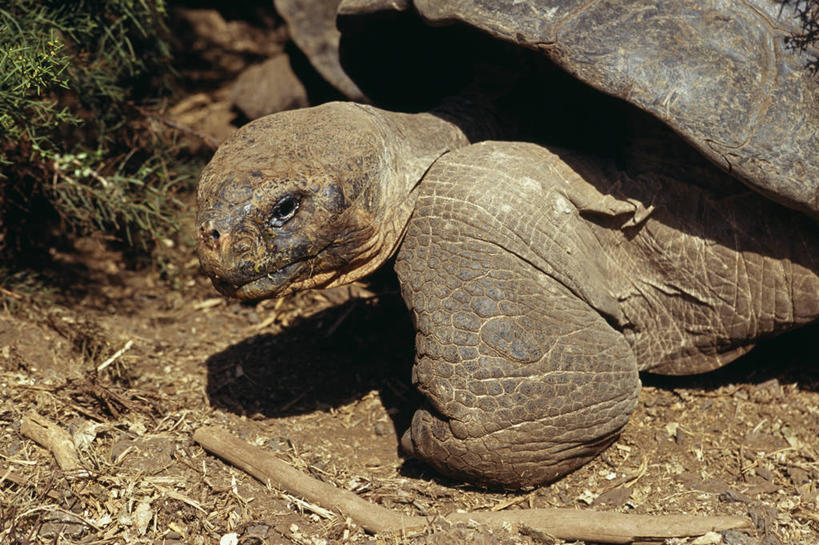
(77, 152)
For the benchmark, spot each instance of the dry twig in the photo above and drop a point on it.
(568, 524)
(116, 355)
(51, 436)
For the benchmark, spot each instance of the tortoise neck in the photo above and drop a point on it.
(411, 144)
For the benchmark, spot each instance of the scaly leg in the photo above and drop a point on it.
(525, 380)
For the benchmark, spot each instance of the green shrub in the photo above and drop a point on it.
(79, 82)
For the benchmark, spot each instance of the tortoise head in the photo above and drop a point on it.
(313, 198)
(292, 201)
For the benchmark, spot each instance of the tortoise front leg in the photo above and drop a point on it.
(525, 381)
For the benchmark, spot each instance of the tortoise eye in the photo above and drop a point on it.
(284, 210)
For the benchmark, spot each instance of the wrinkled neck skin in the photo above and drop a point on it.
(412, 143)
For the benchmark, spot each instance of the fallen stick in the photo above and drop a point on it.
(270, 470)
(568, 524)
(116, 355)
(54, 438)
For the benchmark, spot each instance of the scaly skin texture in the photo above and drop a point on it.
(525, 378)
(539, 281)
(701, 267)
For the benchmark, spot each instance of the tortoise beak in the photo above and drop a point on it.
(217, 250)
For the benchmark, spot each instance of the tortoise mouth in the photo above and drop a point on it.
(276, 283)
(271, 284)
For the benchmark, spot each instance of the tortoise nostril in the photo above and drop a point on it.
(209, 235)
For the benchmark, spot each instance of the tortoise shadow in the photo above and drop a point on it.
(321, 361)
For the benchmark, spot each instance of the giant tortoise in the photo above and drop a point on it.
(541, 278)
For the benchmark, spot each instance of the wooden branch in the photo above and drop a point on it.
(603, 526)
(270, 470)
(51, 436)
(568, 524)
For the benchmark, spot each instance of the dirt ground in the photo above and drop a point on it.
(132, 362)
